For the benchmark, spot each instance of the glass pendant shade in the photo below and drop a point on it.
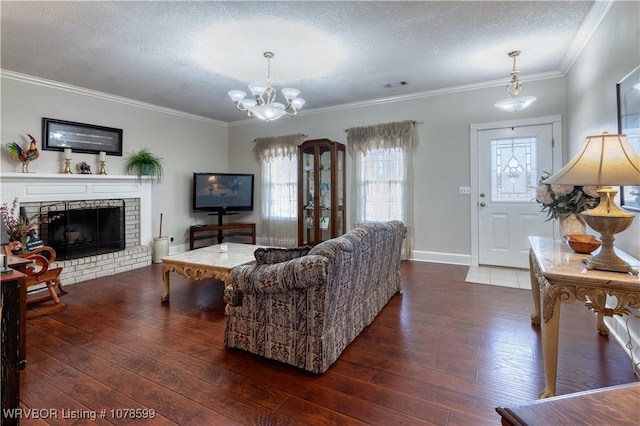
(257, 89)
(290, 94)
(268, 112)
(515, 104)
(297, 103)
(248, 103)
(237, 95)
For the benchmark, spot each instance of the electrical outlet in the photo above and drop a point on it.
(464, 190)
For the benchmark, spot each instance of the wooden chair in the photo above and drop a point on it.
(40, 276)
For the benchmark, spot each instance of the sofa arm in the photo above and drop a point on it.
(232, 296)
(281, 277)
(271, 255)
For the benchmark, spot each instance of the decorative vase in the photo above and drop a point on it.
(572, 224)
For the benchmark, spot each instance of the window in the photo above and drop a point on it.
(280, 179)
(382, 176)
(514, 174)
(382, 184)
(278, 157)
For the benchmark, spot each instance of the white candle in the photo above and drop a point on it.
(67, 153)
(103, 156)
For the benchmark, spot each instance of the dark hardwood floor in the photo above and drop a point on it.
(443, 352)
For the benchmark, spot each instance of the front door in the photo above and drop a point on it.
(510, 161)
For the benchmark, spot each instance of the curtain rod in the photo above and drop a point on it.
(413, 121)
(303, 135)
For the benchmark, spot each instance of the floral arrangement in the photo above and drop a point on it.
(559, 201)
(20, 228)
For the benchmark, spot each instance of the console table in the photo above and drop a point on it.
(559, 275)
(218, 231)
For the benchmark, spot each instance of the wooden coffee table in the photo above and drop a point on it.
(207, 262)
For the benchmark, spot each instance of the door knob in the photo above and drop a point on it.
(483, 204)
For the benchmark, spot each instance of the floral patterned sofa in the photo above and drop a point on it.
(303, 306)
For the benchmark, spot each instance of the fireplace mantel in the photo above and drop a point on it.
(48, 187)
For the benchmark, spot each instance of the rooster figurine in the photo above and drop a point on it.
(26, 156)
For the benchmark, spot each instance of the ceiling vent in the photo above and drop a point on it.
(398, 84)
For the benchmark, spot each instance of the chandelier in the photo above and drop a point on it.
(262, 105)
(516, 102)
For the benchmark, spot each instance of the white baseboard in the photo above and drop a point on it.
(450, 258)
(178, 248)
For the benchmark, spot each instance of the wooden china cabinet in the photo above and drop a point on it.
(321, 191)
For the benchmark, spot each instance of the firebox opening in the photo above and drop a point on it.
(86, 228)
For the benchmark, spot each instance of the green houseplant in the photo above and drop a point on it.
(144, 163)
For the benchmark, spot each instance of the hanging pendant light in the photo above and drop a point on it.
(516, 102)
(263, 104)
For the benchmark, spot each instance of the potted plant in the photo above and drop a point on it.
(144, 163)
(565, 202)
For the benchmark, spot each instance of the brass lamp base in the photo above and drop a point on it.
(608, 219)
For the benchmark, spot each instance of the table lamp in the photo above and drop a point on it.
(604, 160)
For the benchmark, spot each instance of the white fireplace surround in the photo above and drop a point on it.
(49, 187)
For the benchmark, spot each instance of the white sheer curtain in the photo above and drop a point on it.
(278, 157)
(382, 184)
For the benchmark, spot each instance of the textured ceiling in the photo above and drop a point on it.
(148, 50)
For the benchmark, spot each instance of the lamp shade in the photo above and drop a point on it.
(602, 160)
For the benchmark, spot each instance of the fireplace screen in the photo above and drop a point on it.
(86, 228)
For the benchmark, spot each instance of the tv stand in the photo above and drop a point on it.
(220, 230)
(220, 214)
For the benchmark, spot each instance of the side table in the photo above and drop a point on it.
(559, 275)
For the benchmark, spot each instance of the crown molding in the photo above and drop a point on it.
(587, 29)
(25, 78)
(417, 95)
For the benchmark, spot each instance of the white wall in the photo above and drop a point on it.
(613, 51)
(441, 161)
(186, 143)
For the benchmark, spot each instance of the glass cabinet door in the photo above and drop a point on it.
(308, 191)
(340, 193)
(321, 191)
(324, 193)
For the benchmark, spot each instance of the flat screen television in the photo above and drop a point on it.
(222, 193)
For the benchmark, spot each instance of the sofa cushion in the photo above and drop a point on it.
(271, 255)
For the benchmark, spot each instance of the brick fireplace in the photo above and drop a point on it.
(35, 190)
